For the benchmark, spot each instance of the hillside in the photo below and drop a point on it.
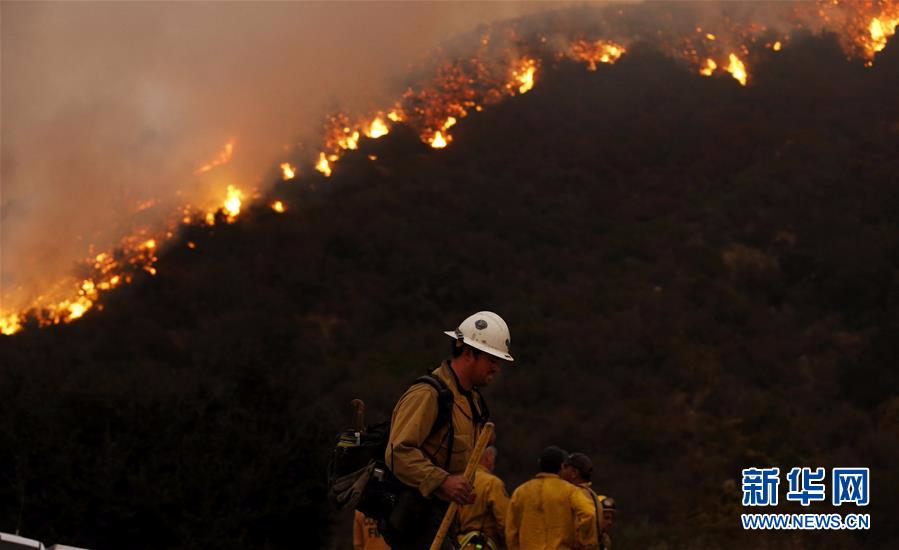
(699, 277)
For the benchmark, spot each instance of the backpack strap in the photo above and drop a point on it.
(445, 401)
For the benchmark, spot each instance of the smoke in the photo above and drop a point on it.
(106, 106)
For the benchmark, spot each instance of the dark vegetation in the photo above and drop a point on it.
(699, 277)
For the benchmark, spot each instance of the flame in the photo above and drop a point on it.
(10, 324)
(377, 128)
(232, 203)
(438, 142)
(458, 87)
(350, 140)
(602, 51)
(523, 76)
(323, 165)
(223, 158)
(288, 172)
(880, 32)
(737, 69)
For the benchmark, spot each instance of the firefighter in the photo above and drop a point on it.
(608, 519)
(366, 535)
(578, 470)
(484, 521)
(430, 463)
(549, 512)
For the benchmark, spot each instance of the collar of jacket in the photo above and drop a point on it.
(547, 474)
(462, 399)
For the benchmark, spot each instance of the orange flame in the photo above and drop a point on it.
(377, 128)
(232, 203)
(10, 324)
(737, 69)
(459, 87)
(438, 141)
(708, 68)
(288, 172)
(323, 165)
(880, 31)
(523, 75)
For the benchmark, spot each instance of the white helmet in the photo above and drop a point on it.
(485, 331)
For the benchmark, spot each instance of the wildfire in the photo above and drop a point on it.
(880, 32)
(10, 324)
(377, 128)
(524, 76)
(708, 68)
(458, 87)
(288, 172)
(232, 203)
(737, 69)
(602, 51)
(323, 165)
(350, 139)
(223, 158)
(438, 142)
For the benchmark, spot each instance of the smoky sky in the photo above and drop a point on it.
(106, 105)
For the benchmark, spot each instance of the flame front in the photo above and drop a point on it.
(460, 86)
(599, 51)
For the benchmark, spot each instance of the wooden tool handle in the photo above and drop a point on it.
(473, 461)
(359, 416)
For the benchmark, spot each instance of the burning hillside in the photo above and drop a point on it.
(700, 276)
(506, 61)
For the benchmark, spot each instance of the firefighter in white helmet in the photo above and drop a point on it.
(428, 454)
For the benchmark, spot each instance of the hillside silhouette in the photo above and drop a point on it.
(699, 277)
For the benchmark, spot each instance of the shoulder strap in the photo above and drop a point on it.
(597, 513)
(445, 400)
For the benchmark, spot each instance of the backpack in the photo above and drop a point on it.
(359, 479)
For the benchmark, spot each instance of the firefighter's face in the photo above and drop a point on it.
(484, 368)
(608, 519)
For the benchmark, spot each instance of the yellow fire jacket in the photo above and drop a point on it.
(488, 512)
(596, 502)
(366, 535)
(548, 513)
(418, 460)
